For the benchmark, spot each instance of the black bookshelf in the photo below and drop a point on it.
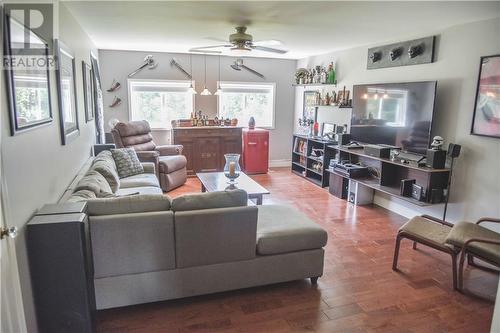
(304, 163)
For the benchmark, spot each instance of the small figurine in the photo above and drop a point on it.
(437, 143)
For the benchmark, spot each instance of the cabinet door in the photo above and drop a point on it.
(188, 151)
(207, 154)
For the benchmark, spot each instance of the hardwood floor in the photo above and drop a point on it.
(357, 293)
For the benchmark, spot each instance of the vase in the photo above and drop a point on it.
(251, 123)
(232, 168)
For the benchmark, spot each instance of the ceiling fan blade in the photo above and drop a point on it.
(268, 49)
(204, 51)
(220, 40)
(268, 42)
(252, 71)
(211, 47)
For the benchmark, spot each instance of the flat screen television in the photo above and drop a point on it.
(396, 114)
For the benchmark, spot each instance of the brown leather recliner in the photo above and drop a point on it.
(169, 162)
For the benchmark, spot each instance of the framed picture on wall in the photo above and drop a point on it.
(88, 91)
(311, 100)
(28, 87)
(66, 88)
(486, 119)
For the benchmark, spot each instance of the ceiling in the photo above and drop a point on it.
(306, 28)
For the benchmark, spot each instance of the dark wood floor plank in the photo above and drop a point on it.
(358, 292)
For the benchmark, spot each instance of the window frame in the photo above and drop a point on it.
(273, 84)
(129, 88)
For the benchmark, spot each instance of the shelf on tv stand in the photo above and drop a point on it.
(361, 152)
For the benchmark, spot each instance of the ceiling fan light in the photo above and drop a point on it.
(205, 92)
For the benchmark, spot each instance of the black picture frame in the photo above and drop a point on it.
(88, 91)
(481, 103)
(40, 77)
(68, 105)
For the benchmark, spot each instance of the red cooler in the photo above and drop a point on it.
(255, 150)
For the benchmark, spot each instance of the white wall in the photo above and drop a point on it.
(476, 187)
(117, 65)
(36, 167)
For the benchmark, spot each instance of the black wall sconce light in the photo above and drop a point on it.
(415, 50)
(395, 53)
(375, 56)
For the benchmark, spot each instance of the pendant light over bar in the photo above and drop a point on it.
(219, 90)
(205, 91)
(191, 88)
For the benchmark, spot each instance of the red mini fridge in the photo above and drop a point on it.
(255, 150)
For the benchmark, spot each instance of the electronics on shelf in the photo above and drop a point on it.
(380, 151)
(412, 159)
(350, 170)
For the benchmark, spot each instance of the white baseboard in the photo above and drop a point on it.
(279, 163)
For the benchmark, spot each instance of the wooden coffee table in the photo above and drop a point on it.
(216, 181)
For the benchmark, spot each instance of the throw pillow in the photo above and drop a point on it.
(105, 165)
(127, 162)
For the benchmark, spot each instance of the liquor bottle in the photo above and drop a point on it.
(331, 73)
(323, 75)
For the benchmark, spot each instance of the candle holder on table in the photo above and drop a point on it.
(232, 168)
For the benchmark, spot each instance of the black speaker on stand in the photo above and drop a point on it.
(453, 152)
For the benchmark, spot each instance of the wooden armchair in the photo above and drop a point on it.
(475, 241)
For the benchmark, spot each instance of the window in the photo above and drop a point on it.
(243, 100)
(159, 101)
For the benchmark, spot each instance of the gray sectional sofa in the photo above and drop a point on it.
(147, 247)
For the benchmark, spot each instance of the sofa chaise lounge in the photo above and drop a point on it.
(147, 247)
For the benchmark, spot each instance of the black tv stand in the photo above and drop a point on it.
(388, 175)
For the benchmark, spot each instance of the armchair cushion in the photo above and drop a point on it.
(168, 164)
(127, 162)
(462, 231)
(222, 199)
(169, 150)
(105, 165)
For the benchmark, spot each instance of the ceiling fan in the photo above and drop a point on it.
(238, 65)
(241, 41)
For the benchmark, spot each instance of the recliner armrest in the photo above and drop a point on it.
(167, 150)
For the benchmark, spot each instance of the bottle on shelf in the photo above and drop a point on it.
(331, 73)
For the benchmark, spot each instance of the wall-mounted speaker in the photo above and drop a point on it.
(454, 150)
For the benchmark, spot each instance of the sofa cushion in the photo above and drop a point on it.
(128, 204)
(462, 231)
(127, 162)
(282, 229)
(105, 165)
(143, 179)
(222, 199)
(138, 190)
(82, 195)
(95, 182)
(168, 164)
